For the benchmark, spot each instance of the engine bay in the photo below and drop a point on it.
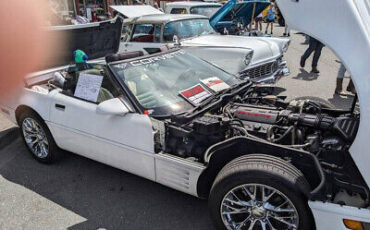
(305, 124)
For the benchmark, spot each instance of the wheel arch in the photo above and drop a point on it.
(221, 154)
(22, 109)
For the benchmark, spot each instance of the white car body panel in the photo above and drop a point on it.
(226, 61)
(330, 216)
(178, 173)
(349, 37)
(124, 142)
(264, 49)
(112, 140)
(136, 46)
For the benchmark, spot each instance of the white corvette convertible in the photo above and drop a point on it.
(173, 118)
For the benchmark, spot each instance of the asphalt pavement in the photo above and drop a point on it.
(78, 193)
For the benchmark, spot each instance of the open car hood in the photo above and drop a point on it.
(136, 11)
(238, 11)
(95, 39)
(348, 36)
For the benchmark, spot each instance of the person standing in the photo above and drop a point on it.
(155, 5)
(316, 47)
(286, 30)
(270, 18)
(339, 86)
(259, 22)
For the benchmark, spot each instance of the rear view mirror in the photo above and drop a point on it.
(112, 107)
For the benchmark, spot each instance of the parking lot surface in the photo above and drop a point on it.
(78, 193)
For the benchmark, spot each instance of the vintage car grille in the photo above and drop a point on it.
(260, 71)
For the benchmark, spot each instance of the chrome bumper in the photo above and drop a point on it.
(280, 71)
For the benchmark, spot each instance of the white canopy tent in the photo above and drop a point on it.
(132, 11)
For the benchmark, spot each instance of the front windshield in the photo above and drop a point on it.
(186, 29)
(208, 11)
(172, 82)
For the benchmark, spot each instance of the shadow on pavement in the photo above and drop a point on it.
(343, 102)
(278, 90)
(306, 76)
(107, 197)
(8, 136)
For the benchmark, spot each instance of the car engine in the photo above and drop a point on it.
(302, 124)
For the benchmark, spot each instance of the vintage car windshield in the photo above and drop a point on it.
(208, 11)
(186, 29)
(162, 83)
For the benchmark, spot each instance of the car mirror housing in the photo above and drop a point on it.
(112, 107)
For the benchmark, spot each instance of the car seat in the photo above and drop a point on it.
(72, 79)
(104, 94)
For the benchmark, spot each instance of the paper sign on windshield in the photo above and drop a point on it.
(215, 84)
(88, 87)
(195, 94)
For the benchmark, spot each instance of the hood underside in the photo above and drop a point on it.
(95, 39)
(239, 11)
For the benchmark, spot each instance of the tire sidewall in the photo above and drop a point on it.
(256, 177)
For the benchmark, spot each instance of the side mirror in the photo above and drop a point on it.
(112, 107)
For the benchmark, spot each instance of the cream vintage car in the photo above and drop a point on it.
(257, 58)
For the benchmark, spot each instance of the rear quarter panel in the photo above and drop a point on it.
(38, 101)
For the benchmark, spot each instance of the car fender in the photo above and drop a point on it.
(218, 155)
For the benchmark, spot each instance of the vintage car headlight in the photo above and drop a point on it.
(248, 58)
(285, 46)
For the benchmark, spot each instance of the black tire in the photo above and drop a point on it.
(52, 149)
(263, 170)
(324, 103)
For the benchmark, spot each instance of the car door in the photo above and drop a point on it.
(122, 141)
(144, 37)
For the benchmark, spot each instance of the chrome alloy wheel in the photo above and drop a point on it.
(35, 137)
(258, 207)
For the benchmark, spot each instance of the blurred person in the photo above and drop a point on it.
(155, 5)
(316, 47)
(258, 21)
(339, 86)
(270, 18)
(137, 2)
(24, 45)
(306, 39)
(286, 31)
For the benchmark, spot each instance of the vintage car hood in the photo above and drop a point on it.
(349, 37)
(238, 11)
(263, 48)
(95, 39)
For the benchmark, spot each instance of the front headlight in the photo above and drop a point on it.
(248, 58)
(285, 46)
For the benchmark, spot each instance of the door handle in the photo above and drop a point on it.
(60, 107)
